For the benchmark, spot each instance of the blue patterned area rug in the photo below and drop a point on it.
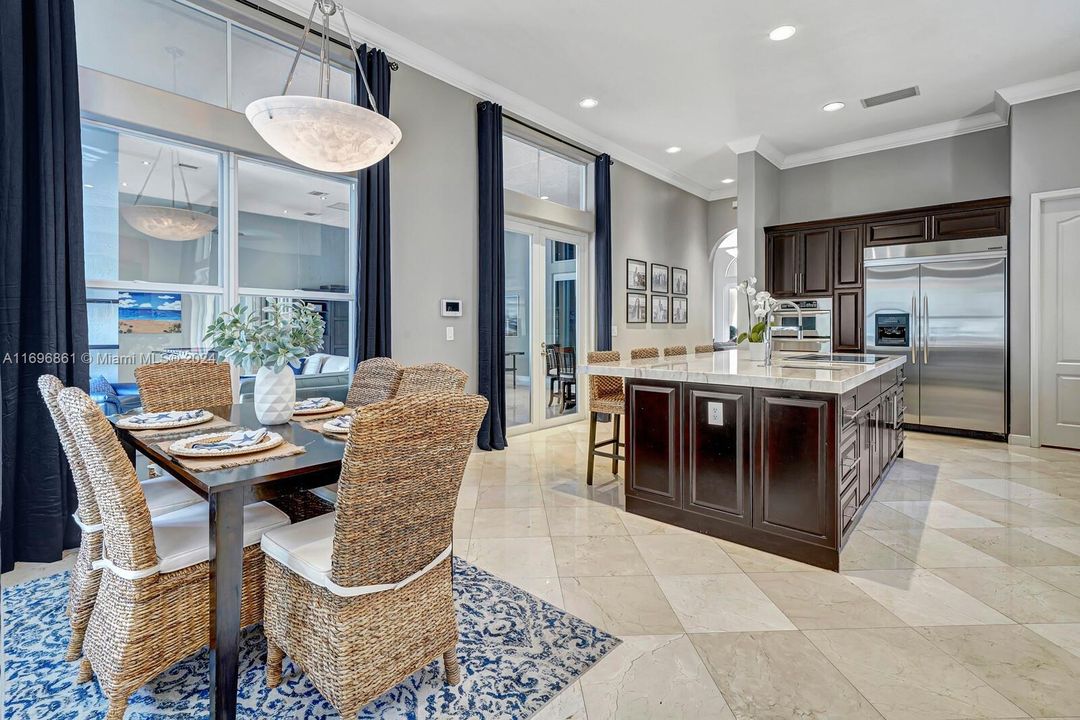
(517, 652)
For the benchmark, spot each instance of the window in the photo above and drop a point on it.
(542, 174)
(260, 66)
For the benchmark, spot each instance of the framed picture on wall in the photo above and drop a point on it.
(636, 307)
(637, 272)
(678, 280)
(679, 310)
(659, 278)
(659, 308)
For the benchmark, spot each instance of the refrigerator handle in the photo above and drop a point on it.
(913, 338)
(926, 329)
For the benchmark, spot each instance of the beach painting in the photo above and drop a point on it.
(148, 313)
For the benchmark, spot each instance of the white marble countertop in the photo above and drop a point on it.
(734, 367)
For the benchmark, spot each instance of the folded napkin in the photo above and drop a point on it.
(312, 403)
(163, 417)
(239, 439)
(343, 422)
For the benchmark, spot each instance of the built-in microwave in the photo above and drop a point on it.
(816, 319)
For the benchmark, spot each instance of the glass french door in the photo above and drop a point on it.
(547, 325)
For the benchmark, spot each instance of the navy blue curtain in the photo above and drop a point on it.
(373, 198)
(602, 172)
(42, 287)
(489, 306)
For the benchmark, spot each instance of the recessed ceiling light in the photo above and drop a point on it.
(123, 184)
(285, 212)
(782, 33)
(728, 181)
(673, 149)
(145, 162)
(833, 106)
(588, 103)
(543, 197)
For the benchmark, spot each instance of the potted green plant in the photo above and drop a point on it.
(275, 340)
(760, 306)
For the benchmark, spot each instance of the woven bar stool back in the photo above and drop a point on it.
(375, 380)
(673, 350)
(644, 353)
(704, 348)
(431, 378)
(188, 384)
(605, 397)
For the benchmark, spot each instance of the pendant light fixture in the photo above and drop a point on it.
(168, 222)
(318, 132)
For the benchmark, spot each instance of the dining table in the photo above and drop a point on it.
(227, 491)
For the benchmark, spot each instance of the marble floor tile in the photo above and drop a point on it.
(1014, 546)
(862, 552)
(1065, 578)
(1013, 592)
(721, 603)
(640, 525)
(467, 497)
(1065, 635)
(1032, 672)
(567, 705)
(778, 676)
(598, 555)
(520, 557)
(547, 589)
(1058, 507)
(1066, 538)
(880, 516)
(621, 605)
(940, 514)
(932, 548)
(1019, 513)
(509, 496)
(906, 678)
(584, 521)
(823, 600)
(25, 571)
(1004, 488)
(652, 677)
(684, 554)
(509, 522)
(918, 597)
(463, 524)
(752, 560)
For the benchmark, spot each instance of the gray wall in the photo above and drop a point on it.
(965, 167)
(1045, 156)
(759, 206)
(657, 222)
(433, 220)
(720, 218)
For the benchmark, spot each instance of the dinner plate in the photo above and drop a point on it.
(332, 406)
(338, 425)
(183, 448)
(130, 422)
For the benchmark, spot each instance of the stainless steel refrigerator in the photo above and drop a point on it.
(943, 306)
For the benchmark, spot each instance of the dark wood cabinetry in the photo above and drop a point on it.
(782, 264)
(981, 222)
(815, 262)
(848, 257)
(897, 231)
(654, 441)
(848, 320)
(717, 461)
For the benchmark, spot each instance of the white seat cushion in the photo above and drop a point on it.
(304, 547)
(327, 493)
(167, 494)
(182, 537)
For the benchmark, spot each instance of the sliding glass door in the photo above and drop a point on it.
(546, 324)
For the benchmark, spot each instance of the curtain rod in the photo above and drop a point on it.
(547, 134)
(298, 25)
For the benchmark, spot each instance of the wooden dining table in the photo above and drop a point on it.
(227, 491)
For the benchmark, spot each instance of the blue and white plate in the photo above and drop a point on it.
(222, 444)
(164, 420)
(339, 425)
(316, 406)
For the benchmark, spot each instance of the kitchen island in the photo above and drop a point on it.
(782, 458)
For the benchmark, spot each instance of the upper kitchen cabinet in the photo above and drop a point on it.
(848, 257)
(980, 222)
(799, 263)
(898, 230)
(782, 264)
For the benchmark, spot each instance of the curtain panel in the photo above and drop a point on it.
(602, 244)
(42, 286)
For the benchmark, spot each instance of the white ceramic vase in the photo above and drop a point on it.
(275, 393)
(757, 351)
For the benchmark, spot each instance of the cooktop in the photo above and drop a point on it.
(840, 358)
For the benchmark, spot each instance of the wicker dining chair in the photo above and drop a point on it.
(674, 350)
(431, 377)
(644, 353)
(153, 603)
(163, 495)
(605, 396)
(187, 384)
(704, 348)
(363, 598)
(375, 380)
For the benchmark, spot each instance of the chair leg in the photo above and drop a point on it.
(453, 669)
(86, 673)
(116, 709)
(74, 650)
(615, 453)
(592, 447)
(274, 658)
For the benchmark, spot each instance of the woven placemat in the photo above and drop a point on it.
(215, 423)
(285, 449)
(316, 424)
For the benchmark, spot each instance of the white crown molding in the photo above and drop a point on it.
(914, 136)
(440, 67)
(758, 144)
(1038, 89)
(728, 193)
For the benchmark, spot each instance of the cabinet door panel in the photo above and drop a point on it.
(848, 257)
(782, 264)
(847, 321)
(892, 232)
(969, 223)
(717, 465)
(815, 262)
(795, 466)
(654, 442)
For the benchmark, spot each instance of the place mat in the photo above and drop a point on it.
(285, 449)
(215, 423)
(316, 425)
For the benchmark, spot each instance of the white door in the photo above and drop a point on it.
(547, 325)
(1058, 288)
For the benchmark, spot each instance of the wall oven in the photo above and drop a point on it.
(816, 319)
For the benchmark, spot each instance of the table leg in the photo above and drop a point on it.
(513, 361)
(226, 582)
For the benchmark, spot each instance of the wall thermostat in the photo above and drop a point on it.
(450, 308)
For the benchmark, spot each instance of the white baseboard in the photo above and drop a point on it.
(1024, 440)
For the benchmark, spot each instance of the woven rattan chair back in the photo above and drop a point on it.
(604, 387)
(704, 348)
(644, 353)
(431, 378)
(375, 380)
(400, 476)
(129, 537)
(673, 350)
(50, 387)
(188, 384)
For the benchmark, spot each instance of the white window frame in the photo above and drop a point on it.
(583, 195)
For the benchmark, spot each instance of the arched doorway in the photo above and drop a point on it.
(725, 286)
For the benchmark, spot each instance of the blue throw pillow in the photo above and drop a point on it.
(100, 386)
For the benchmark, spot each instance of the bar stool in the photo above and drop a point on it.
(704, 348)
(605, 396)
(644, 353)
(673, 350)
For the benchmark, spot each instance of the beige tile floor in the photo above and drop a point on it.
(959, 594)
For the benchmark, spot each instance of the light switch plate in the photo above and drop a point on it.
(716, 413)
(614, 331)
(449, 332)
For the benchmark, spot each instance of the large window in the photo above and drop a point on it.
(542, 174)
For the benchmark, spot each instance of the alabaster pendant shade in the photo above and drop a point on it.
(323, 134)
(168, 223)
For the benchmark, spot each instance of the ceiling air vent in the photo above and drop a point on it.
(890, 97)
(312, 214)
(339, 206)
